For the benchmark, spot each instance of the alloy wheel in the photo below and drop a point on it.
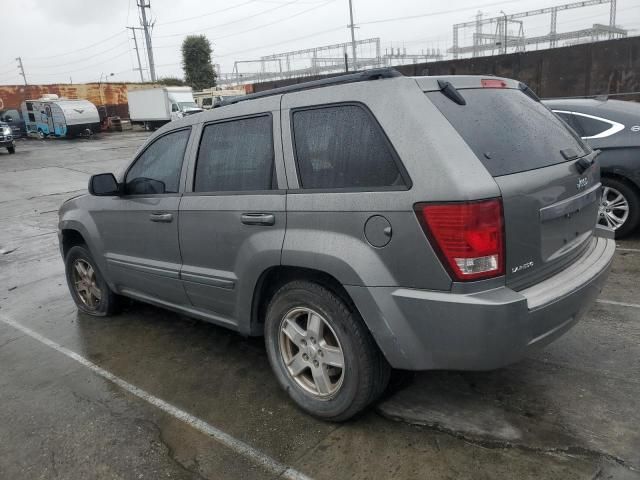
(311, 352)
(614, 208)
(84, 282)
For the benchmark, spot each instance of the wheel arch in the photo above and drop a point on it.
(70, 237)
(623, 178)
(274, 277)
(75, 232)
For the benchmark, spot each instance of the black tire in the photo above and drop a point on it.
(108, 302)
(631, 195)
(366, 371)
(11, 149)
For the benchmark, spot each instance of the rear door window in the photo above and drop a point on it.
(342, 146)
(236, 155)
(507, 130)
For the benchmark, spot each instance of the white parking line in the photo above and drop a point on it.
(238, 446)
(634, 250)
(622, 304)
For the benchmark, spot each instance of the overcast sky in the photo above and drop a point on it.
(81, 39)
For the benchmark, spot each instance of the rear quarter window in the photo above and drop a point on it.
(591, 126)
(508, 131)
(343, 147)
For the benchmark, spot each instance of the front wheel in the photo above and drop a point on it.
(11, 149)
(619, 207)
(322, 353)
(88, 289)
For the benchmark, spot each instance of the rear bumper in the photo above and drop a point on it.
(423, 330)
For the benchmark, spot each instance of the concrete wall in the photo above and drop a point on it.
(598, 68)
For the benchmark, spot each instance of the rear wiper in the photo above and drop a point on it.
(569, 153)
(524, 88)
(451, 92)
(585, 162)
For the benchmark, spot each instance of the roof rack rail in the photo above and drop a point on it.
(364, 76)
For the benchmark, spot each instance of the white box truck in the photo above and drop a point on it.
(153, 107)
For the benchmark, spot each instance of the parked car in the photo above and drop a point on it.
(359, 223)
(13, 118)
(6, 138)
(613, 127)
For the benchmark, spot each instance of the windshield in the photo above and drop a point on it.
(507, 130)
(185, 105)
(184, 100)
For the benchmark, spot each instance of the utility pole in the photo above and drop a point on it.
(135, 43)
(353, 38)
(144, 4)
(21, 67)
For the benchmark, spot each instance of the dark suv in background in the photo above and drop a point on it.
(6, 138)
(613, 127)
(13, 118)
(359, 223)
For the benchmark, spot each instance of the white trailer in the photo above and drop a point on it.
(212, 97)
(60, 117)
(153, 107)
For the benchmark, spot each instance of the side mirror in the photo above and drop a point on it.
(8, 119)
(103, 185)
(145, 186)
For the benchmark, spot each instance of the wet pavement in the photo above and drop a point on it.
(571, 411)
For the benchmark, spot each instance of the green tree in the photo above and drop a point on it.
(196, 62)
(171, 81)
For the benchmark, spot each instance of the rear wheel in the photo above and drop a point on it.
(90, 292)
(321, 352)
(619, 207)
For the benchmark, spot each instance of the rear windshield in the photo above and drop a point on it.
(507, 130)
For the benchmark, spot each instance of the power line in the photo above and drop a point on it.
(433, 14)
(87, 67)
(79, 49)
(217, 12)
(88, 58)
(267, 46)
(268, 24)
(257, 27)
(229, 23)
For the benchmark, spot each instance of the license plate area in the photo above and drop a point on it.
(568, 223)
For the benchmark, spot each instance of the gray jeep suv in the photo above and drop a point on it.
(361, 223)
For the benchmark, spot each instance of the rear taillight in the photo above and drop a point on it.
(468, 236)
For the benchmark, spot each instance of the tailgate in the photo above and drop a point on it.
(550, 215)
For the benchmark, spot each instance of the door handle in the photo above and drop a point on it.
(161, 217)
(258, 218)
